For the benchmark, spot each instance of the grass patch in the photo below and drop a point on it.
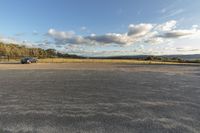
(127, 61)
(10, 60)
(114, 61)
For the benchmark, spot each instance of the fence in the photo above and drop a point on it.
(8, 59)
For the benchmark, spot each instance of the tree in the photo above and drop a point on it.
(18, 51)
(51, 52)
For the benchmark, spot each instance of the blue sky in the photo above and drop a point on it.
(103, 27)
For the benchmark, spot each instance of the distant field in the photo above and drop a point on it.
(129, 61)
(71, 60)
(10, 60)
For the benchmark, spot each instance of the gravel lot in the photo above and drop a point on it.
(99, 98)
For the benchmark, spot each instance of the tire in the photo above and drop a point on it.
(28, 62)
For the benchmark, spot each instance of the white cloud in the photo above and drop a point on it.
(168, 26)
(172, 13)
(187, 49)
(139, 30)
(135, 33)
(155, 40)
(63, 38)
(111, 38)
(177, 33)
(9, 40)
(140, 33)
(60, 35)
(195, 26)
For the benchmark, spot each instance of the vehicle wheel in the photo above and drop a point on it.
(28, 62)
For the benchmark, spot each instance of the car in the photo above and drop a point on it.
(28, 60)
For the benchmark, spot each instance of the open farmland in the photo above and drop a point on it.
(99, 98)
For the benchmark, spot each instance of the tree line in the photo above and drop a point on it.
(19, 51)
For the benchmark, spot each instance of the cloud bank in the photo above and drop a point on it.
(139, 33)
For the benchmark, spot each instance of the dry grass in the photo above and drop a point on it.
(9, 61)
(70, 60)
(126, 61)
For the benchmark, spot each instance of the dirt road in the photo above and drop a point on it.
(99, 98)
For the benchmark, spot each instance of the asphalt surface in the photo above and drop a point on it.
(95, 98)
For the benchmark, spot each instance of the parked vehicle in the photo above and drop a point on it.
(28, 60)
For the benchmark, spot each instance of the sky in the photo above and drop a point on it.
(103, 27)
